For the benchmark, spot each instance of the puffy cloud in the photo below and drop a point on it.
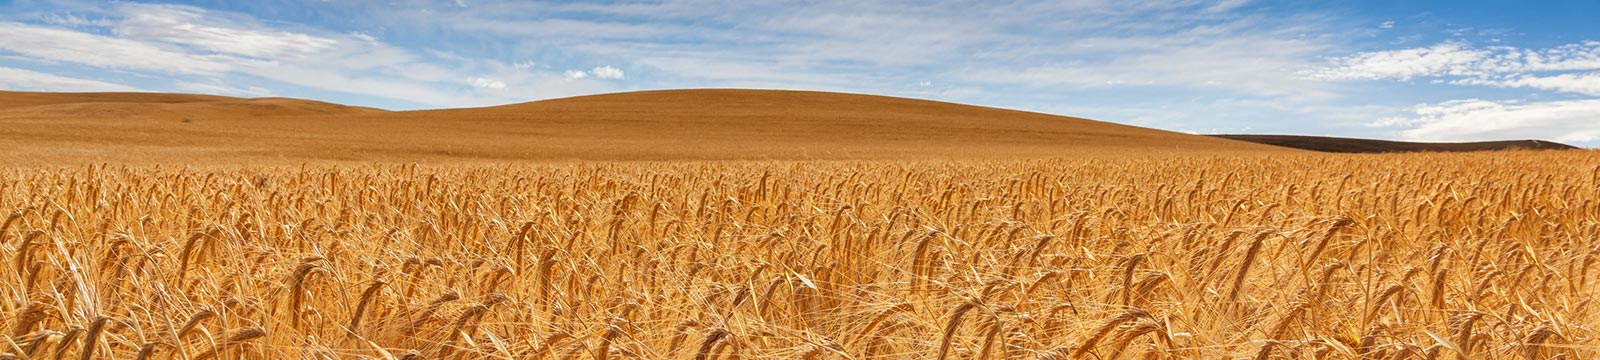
(486, 83)
(602, 72)
(1570, 57)
(1479, 120)
(606, 72)
(19, 79)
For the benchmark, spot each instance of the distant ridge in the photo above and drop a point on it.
(1364, 146)
(18, 99)
(133, 105)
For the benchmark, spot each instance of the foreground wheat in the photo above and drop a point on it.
(1400, 256)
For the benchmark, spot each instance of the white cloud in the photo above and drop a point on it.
(1227, 5)
(1386, 25)
(1570, 57)
(1438, 60)
(58, 45)
(445, 55)
(740, 72)
(486, 83)
(1199, 58)
(524, 65)
(312, 76)
(71, 20)
(191, 26)
(601, 72)
(606, 72)
(206, 51)
(221, 89)
(1481, 120)
(1485, 66)
(1570, 68)
(1584, 83)
(19, 79)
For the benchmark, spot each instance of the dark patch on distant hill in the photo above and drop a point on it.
(1350, 145)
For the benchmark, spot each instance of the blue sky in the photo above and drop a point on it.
(1409, 70)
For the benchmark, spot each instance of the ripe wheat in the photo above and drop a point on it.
(1387, 256)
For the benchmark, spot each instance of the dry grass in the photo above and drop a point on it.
(1389, 256)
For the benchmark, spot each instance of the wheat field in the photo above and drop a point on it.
(1472, 256)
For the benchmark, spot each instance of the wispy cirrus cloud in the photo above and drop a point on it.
(68, 46)
(13, 78)
(196, 27)
(202, 50)
(1447, 59)
(1585, 83)
(1204, 58)
(1566, 68)
(74, 20)
(220, 88)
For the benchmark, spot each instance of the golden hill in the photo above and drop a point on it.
(118, 106)
(50, 128)
(17, 99)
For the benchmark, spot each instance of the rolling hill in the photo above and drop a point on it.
(48, 128)
(20, 99)
(1349, 145)
(160, 105)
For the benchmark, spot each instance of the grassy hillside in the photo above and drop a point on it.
(654, 125)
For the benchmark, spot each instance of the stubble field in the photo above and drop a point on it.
(1484, 255)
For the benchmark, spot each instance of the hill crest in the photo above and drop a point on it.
(145, 105)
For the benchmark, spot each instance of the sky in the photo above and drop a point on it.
(1460, 70)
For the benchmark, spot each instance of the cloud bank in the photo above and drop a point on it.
(1571, 69)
